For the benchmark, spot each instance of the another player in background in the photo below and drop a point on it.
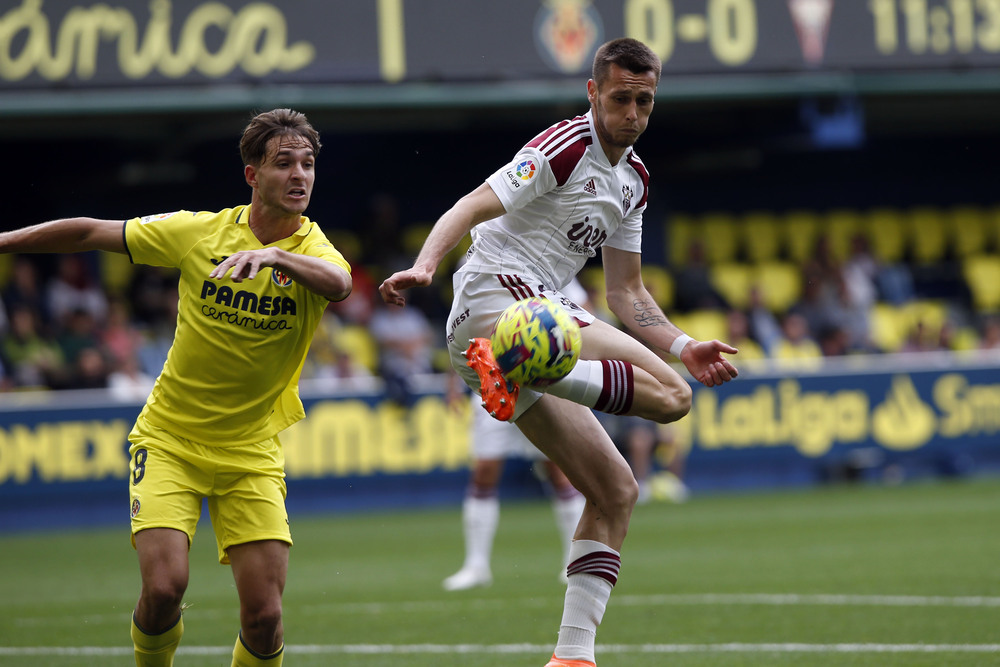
(575, 188)
(254, 281)
(493, 442)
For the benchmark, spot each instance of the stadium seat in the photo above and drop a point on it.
(414, 236)
(720, 236)
(840, 226)
(680, 232)
(761, 237)
(928, 235)
(355, 340)
(115, 271)
(733, 281)
(967, 230)
(780, 284)
(886, 233)
(660, 284)
(800, 229)
(982, 275)
(702, 324)
(888, 327)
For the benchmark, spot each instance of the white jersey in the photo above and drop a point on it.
(563, 201)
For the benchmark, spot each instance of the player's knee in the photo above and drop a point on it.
(674, 404)
(164, 594)
(262, 620)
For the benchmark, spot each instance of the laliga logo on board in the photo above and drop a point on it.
(280, 278)
(566, 32)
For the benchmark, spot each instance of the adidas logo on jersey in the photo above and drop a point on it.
(590, 187)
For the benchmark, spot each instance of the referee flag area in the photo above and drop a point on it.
(859, 575)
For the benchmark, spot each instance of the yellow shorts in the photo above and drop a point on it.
(244, 485)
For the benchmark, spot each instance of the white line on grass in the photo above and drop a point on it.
(693, 599)
(473, 649)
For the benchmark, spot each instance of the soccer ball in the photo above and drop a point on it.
(535, 342)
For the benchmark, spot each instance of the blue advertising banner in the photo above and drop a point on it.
(64, 459)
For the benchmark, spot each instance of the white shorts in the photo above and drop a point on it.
(479, 300)
(494, 439)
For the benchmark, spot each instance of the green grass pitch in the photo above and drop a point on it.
(861, 575)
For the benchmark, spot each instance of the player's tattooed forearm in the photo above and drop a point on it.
(647, 314)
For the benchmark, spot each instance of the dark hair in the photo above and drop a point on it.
(628, 53)
(279, 122)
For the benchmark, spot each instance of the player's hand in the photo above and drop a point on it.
(401, 280)
(705, 362)
(245, 265)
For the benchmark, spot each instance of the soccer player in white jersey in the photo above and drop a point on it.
(575, 188)
(254, 282)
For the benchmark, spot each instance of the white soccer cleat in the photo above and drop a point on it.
(467, 578)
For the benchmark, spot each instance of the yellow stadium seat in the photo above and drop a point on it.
(660, 284)
(702, 324)
(761, 236)
(733, 281)
(888, 327)
(840, 227)
(720, 237)
(928, 235)
(967, 230)
(982, 274)
(886, 233)
(357, 342)
(680, 233)
(780, 284)
(800, 229)
(414, 236)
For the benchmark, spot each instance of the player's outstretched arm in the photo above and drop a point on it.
(66, 236)
(629, 299)
(478, 206)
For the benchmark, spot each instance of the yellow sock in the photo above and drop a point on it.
(156, 650)
(243, 656)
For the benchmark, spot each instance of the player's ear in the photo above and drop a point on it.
(250, 173)
(591, 91)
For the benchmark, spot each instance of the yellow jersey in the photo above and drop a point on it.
(231, 375)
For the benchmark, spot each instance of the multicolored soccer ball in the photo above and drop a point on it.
(535, 342)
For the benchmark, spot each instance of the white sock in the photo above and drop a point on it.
(606, 385)
(593, 572)
(568, 509)
(480, 517)
(582, 385)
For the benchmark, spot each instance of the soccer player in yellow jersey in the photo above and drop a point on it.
(254, 281)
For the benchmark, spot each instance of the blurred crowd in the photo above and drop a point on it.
(95, 321)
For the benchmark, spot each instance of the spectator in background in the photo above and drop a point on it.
(89, 370)
(492, 443)
(34, 361)
(127, 381)
(859, 276)
(797, 348)
(77, 333)
(120, 338)
(405, 343)
(762, 325)
(989, 339)
(75, 288)
(25, 290)
(693, 283)
(738, 333)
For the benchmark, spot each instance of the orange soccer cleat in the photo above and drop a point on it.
(560, 662)
(499, 395)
